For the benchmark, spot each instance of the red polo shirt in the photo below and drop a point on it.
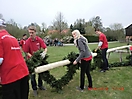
(22, 44)
(13, 67)
(103, 39)
(32, 46)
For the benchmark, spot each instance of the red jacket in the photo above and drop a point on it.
(103, 39)
(13, 67)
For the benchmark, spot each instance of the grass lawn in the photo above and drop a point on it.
(113, 84)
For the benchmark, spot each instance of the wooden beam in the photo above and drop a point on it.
(51, 66)
(66, 62)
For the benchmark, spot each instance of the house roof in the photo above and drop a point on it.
(130, 26)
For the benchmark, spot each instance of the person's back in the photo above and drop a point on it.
(13, 69)
(13, 61)
(83, 48)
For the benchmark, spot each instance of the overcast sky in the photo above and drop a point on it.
(25, 12)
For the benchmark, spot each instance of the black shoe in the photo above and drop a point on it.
(107, 69)
(42, 88)
(102, 70)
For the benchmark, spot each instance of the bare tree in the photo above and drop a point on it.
(116, 26)
(59, 22)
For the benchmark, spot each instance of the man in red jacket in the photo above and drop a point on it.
(33, 44)
(103, 45)
(23, 41)
(13, 69)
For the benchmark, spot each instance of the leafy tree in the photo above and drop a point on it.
(44, 27)
(71, 27)
(13, 28)
(110, 34)
(96, 22)
(80, 25)
(115, 32)
(89, 30)
(118, 31)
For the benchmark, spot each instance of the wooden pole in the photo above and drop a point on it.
(66, 62)
(54, 65)
(51, 66)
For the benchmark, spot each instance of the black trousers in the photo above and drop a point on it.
(16, 90)
(34, 83)
(85, 69)
(105, 61)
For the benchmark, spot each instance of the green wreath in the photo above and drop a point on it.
(98, 62)
(58, 84)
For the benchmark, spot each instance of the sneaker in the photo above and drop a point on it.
(79, 89)
(102, 70)
(42, 88)
(90, 88)
(35, 93)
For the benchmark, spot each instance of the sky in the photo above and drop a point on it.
(24, 12)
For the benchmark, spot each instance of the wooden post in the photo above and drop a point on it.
(51, 66)
(66, 62)
(54, 65)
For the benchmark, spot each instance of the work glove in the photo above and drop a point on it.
(43, 54)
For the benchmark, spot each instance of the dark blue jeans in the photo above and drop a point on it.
(105, 61)
(34, 83)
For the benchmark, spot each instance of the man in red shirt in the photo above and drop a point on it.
(13, 69)
(23, 41)
(33, 44)
(103, 45)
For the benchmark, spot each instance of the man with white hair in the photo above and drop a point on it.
(13, 69)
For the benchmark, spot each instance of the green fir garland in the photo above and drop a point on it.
(36, 61)
(98, 62)
(58, 84)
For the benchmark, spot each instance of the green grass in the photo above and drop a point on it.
(114, 79)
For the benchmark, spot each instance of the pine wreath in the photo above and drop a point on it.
(98, 62)
(58, 84)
